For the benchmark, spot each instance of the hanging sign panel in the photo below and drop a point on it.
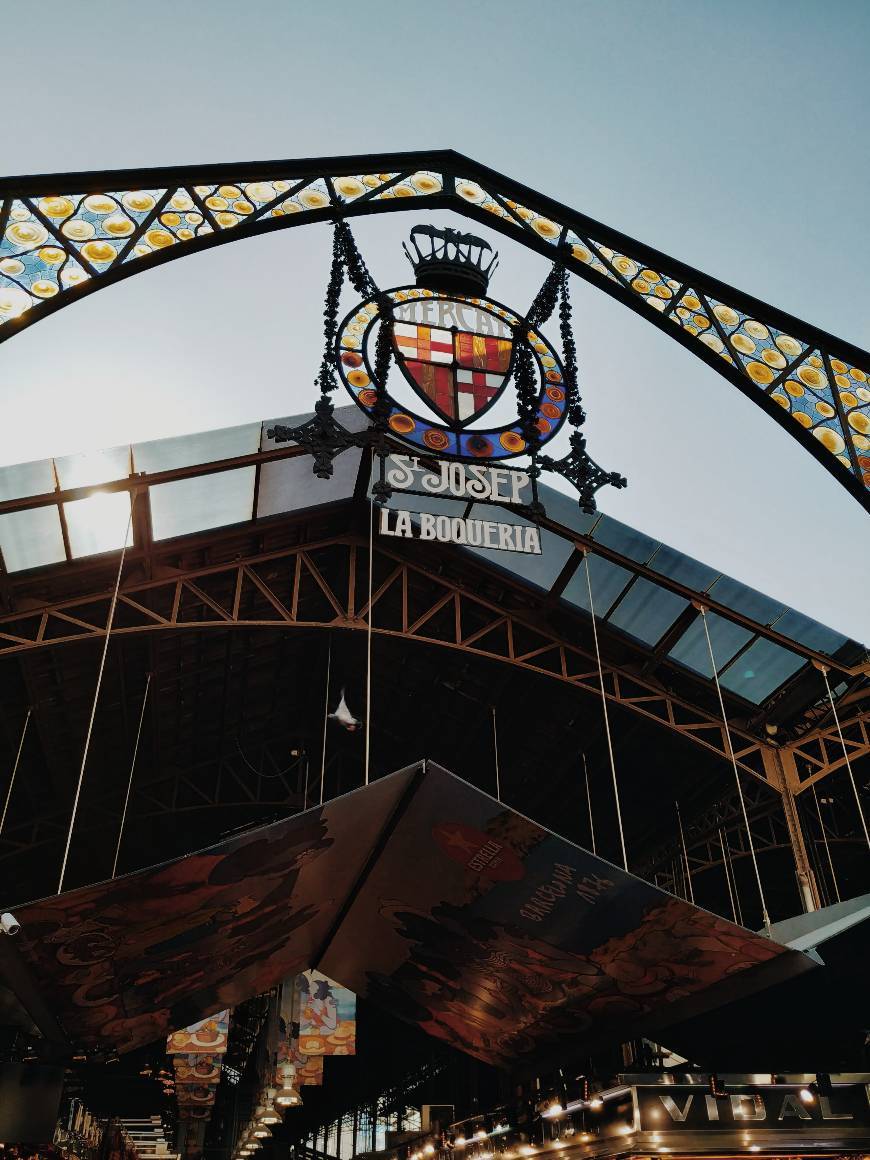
(208, 1036)
(476, 483)
(458, 530)
(473, 483)
(327, 1016)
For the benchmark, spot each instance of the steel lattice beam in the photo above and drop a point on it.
(423, 606)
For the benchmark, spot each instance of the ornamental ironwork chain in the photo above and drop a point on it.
(325, 380)
(577, 467)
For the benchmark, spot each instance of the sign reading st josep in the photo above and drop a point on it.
(474, 483)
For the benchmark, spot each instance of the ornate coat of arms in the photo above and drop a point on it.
(456, 350)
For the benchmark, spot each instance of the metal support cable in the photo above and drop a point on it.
(824, 672)
(685, 855)
(727, 875)
(14, 770)
(495, 753)
(765, 915)
(827, 846)
(369, 641)
(589, 804)
(325, 719)
(130, 779)
(109, 622)
(604, 706)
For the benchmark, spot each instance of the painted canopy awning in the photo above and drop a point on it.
(419, 891)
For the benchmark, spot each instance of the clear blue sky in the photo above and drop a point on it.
(732, 136)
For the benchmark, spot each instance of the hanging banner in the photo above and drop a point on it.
(327, 1016)
(208, 1036)
(197, 1069)
(197, 1053)
(309, 1069)
(197, 1096)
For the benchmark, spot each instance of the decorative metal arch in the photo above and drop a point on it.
(65, 235)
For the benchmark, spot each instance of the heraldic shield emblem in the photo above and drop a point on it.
(459, 370)
(456, 350)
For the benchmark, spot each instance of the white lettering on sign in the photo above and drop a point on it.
(469, 481)
(457, 530)
(445, 314)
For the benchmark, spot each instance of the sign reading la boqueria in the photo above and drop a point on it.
(474, 483)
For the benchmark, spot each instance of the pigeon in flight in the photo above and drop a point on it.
(343, 716)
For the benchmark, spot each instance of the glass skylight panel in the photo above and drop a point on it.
(647, 611)
(758, 607)
(625, 540)
(726, 639)
(810, 633)
(201, 502)
(607, 581)
(23, 479)
(190, 450)
(93, 467)
(684, 569)
(538, 570)
(98, 523)
(31, 539)
(761, 670)
(565, 510)
(290, 484)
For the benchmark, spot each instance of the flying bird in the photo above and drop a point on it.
(343, 716)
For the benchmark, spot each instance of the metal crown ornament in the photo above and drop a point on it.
(453, 263)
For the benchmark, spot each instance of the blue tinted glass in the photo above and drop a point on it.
(625, 540)
(564, 510)
(607, 581)
(695, 575)
(750, 603)
(809, 632)
(538, 570)
(726, 638)
(760, 670)
(647, 611)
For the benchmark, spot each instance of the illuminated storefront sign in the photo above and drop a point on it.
(779, 1107)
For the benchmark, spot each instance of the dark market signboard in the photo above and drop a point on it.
(470, 921)
(775, 1107)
